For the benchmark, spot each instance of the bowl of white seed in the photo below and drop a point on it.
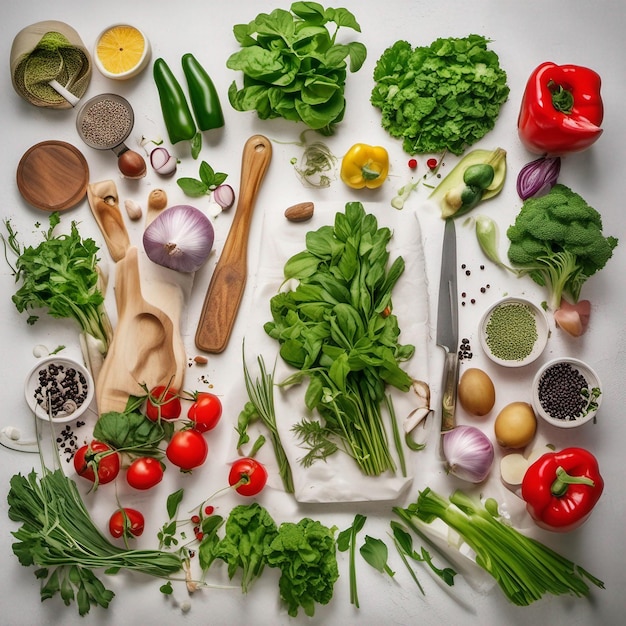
(59, 389)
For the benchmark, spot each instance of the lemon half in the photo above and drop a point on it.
(121, 51)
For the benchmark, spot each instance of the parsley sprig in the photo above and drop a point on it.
(60, 275)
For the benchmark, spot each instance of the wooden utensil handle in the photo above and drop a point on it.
(227, 284)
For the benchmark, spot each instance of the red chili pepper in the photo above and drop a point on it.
(561, 109)
(561, 489)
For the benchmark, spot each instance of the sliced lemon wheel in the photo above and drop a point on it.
(121, 51)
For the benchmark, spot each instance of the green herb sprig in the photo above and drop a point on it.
(60, 276)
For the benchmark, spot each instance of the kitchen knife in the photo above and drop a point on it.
(448, 327)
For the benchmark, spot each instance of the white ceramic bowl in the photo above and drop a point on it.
(71, 395)
(594, 389)
(541, 325)
(131, 73)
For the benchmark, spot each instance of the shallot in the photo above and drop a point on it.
(573, 318)
(536, 178)
(179, 238)
(469, 453)
(224, 196)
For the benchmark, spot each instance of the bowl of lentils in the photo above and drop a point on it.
(566, 393)
(59, 388)
(514, 332)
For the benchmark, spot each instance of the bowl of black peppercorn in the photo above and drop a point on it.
(59, 388)
(566, 393)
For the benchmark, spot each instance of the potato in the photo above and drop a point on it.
(515, 425)
(476, 392)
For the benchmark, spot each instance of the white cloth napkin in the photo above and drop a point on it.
(338, 479)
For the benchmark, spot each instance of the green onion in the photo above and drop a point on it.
(524, 568)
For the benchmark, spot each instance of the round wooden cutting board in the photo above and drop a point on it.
(53, 176)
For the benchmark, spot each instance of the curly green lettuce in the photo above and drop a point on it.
(442, 97)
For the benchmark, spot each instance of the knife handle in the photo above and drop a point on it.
(449, 391)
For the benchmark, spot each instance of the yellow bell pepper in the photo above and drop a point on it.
(365, 166)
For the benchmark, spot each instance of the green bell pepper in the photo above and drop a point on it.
(203, 95)
(176, 114)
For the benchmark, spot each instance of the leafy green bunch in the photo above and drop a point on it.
(336, 327)
(305, 552)
(442, 97)
(293, 66)
(60, 275)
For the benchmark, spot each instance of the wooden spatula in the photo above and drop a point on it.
(229, 277)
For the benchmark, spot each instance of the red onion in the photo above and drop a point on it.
(536, 178)
(224, 196)
(180, 238)
(163, 162)
(469, 453)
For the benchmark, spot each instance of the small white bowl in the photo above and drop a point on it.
(593, 383)
(79, 390)
(541, 325)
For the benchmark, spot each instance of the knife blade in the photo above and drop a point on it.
(448, 326)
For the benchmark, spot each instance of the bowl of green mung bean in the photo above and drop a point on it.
(566, 392)
(513, 332)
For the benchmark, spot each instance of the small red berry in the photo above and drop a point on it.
(199, 536)
(208, 510)
(412, 163)
(195, 519)
(431, 163)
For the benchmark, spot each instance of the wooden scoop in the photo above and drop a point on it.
(142, 351)
(229, 277)
(104, 205)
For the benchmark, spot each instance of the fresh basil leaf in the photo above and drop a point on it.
(192, 187)
(343, 17)
(312, 12)
(357, 53)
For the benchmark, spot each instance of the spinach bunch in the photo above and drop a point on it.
(293, 66)
(305, 552)
(336, 327)
(442, 97)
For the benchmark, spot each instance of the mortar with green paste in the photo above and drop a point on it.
(513, 332)
(50, 66)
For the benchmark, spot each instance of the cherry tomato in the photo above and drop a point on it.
(97, 462)
(205, 411)
(187, 449)
(431, 164)
(126, 523)
(163, 402)
(249, 476)
(412, 163)
(144, 473)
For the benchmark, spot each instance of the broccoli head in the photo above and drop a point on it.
(557, 240)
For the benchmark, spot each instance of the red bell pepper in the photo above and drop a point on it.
(561, 488)
(561, 110)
